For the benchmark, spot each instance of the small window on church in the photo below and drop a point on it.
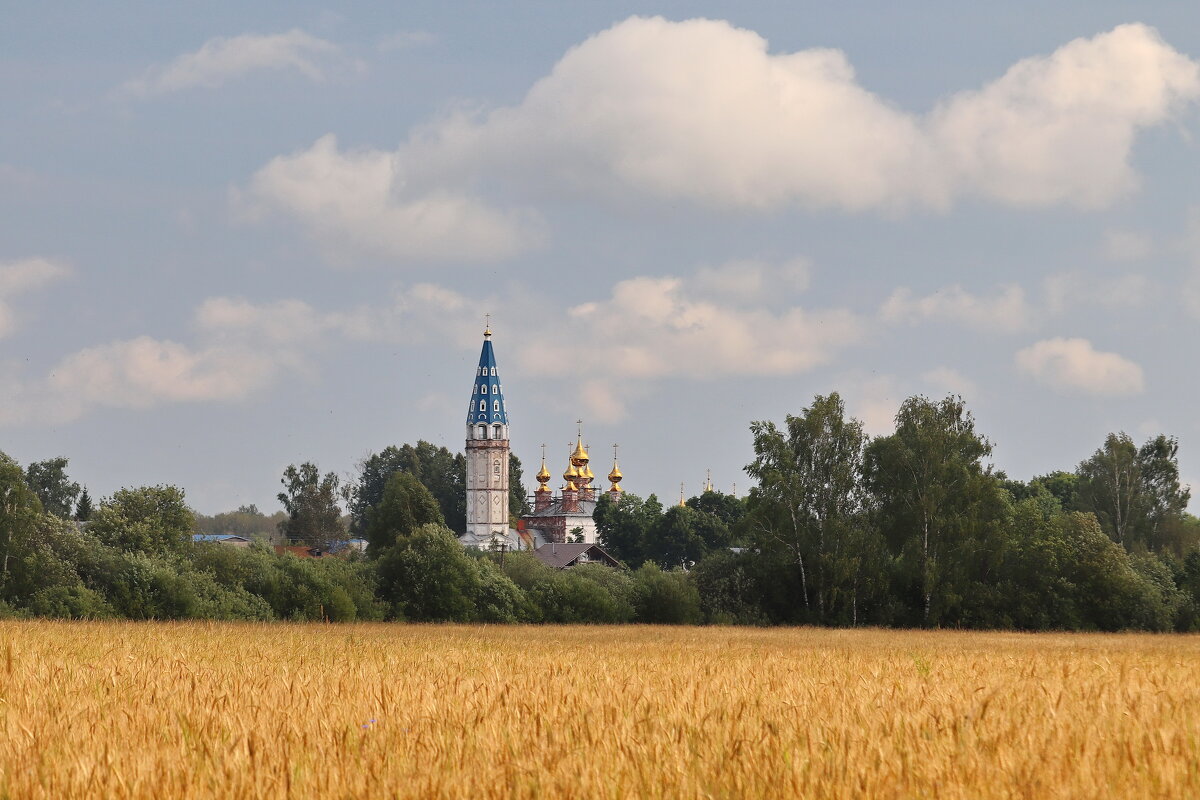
(496, 432)
(496, 406)
(483, 405)
(493, 372)
(496, 467)
(483, 388)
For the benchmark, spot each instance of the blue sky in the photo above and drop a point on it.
(234, 238)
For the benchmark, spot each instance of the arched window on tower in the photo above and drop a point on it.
(493, 372)
(481, 432)
(497, 432)
(496, 406)
(483, 405)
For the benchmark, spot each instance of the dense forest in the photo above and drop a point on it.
(910, 529)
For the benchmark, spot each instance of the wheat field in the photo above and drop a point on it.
(206, 710)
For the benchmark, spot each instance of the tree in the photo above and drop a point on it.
(311, 504)
(406, 505)
(20, 509)
(443, 473)
(935, 496)
(84, 509)
(624, 527)
(150, 519)
(1134, 492)
(1164, 500)
(48, 480)
(725, 507)
(682, 536)
(518, 501)
(245, 521)
(429, 577)
(809, 503)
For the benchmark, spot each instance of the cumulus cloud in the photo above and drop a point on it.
(360, 199)
(240, 349)
(1059, 128)
(703, 112)
(1007, 311)
(222, 59)
(1075, 365)
(19, 277)
(654, 328)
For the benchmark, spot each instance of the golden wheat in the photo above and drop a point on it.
(202, 710)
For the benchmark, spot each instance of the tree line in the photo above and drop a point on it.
(914, 528)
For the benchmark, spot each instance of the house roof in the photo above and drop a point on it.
(218, 537)
(561, 556)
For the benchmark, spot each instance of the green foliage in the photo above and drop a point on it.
(246, 521)
(405, 506)
(725, 507)
(938, 504)
(624, 527)
(310, 501)
(682, 536)
(1135, 492)
(443, 473)
(665, 598)
(810, 507)
(48, 480)
(20, 510)
(428, 577)
(150, 519)
(84, 508)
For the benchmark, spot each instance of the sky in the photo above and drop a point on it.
(239, 236)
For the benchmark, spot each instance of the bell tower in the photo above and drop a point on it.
(487, 455)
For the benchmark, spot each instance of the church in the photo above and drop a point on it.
(557, 517)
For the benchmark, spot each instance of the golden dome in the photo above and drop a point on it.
(542, 488)
(615, 476)
(571, 474)
(570, 487)
(543, 474)
(580, 457)
(587, 473)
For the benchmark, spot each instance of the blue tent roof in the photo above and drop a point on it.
(487, 399)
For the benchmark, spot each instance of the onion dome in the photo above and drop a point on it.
(615, 475)
(543, 477)
(571, 474)
(570, 487)
(580, 457)
(586, 474)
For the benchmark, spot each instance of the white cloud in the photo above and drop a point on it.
(360, 199)
(701, 111)
(1075, 365)
(1059, 128)
(19, 277)
(654, 328)
(1008, 311)
(222, 59)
